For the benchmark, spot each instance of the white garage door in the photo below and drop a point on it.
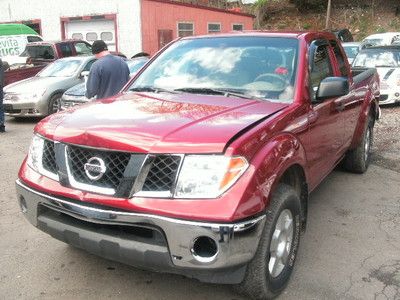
(92, 30)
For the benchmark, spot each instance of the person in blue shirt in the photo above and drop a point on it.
(107, 75)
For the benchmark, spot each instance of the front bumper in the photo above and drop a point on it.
(25, 109)
(168, 244)
(389, 97)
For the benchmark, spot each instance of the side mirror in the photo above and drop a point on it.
(332, 87)
(84, 75)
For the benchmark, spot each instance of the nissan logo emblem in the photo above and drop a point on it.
(95, 168)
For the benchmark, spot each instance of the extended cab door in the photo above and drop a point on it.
(326, 127)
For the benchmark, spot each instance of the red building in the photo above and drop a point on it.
(163, 20)
(128, 26)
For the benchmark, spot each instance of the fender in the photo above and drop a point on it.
(370, 104)
(271, 161)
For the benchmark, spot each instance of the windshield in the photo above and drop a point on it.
(42, 51)
(252, 66)
(135, 65)
(377, 58)
(61, 68)
(351, 51)
(374, 42)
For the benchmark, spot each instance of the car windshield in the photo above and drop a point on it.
(351, 51)
(372, 58)
(374, 42)
(61, 68)
(38, 51)
(135, 65)
(258, 67)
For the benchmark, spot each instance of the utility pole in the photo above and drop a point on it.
(328, 15)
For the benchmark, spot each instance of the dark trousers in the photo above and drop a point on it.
(1, 107)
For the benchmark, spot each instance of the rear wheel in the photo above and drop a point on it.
(358, 159)
(269, 271)
(54, 104)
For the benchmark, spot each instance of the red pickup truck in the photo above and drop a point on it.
(37, 55)
(203, 164)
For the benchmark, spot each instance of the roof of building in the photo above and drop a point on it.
(204, 7)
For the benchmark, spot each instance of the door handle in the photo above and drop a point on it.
(339, 105)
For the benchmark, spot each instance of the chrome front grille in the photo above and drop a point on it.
(49, 157)
(115, 162)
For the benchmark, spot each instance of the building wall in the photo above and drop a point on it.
(50, 11)
(159, 15)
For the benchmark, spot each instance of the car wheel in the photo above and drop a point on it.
(269, 271)
(357, 160)
(54, 104)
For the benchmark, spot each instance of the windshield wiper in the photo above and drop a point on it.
(385, 66)
(225, 92)
(150, 89)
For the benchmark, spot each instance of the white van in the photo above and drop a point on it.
(13, 39)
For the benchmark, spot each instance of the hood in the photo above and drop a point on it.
(77, 90)
(31, 84)
(157, 123)
(388, 76)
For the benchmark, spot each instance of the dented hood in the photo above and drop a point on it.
(157, 123)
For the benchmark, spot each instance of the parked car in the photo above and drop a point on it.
(381, 39)
(351, 49)
(76, 94)
(343, 35)
(40, 95)
(39, 54)
(386, 59)
(14, 38)
(203, 165)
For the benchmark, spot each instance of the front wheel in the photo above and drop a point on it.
(54, 104)
(269, 271)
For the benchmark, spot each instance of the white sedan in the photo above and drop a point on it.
(386, 59)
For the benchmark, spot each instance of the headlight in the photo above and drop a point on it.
(208, 176)
(35, 153)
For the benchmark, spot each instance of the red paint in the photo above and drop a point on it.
(162, 15)
(311, 137)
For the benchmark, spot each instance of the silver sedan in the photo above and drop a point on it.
(40, 95)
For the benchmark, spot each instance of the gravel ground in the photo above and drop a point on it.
(386, 150)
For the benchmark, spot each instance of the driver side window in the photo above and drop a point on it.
(321, 68)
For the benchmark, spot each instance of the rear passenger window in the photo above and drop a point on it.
(83, 48)
(66, 50)
(321, 68)
(340, 59)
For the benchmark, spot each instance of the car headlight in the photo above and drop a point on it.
(35, 153)
(208, 176)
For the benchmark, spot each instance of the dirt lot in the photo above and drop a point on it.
(387, 139)
(350, 250)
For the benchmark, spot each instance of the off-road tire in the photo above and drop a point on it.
(357, 160)
(258, 282)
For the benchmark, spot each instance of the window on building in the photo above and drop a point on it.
(237, 27)
(214, 27)
(106, 36)
(185, 29)
(82, 48)
(91, 36)
(77, 36)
